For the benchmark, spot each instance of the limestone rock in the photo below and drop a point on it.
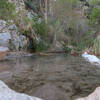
(93, 96)
(4, 39)
(10, 37)
(7, 94)
(3, 26)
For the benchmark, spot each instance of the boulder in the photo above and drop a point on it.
(4, 39)
(91, 58)
(18, 42)
(7, 94)
(93, 96)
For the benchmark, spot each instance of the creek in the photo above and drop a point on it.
(54, 77)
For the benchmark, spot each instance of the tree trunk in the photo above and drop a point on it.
(46, 11)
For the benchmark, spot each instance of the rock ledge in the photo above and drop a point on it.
(8, 94)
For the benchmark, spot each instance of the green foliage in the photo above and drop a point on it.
(93, 2)
(74, 27)
(95, 16)
(32, 4)
(7, 10)
(86, 42)
(41, 46)
(57, 26)
(64, 8)
(97, 45)
(41, 28)
(72, 2)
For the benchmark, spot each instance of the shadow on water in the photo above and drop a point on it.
(56, 77)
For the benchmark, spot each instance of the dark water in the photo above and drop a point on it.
(56, 77)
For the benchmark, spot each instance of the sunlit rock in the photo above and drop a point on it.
(93, 96)
(7, 94)
(91, 58)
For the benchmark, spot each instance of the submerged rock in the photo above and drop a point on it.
(7, 94)
(93, 96)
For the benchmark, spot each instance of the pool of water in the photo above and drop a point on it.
(55, 77)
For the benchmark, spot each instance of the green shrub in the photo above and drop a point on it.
(97, 45)
(41, 46)
(32, 4)
(41, 28)
(86, 42)
(7, 10)
(95, 16)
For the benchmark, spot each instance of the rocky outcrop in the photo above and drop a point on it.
(17, 41)
(10, 37)
(8, 94)
(93, 96)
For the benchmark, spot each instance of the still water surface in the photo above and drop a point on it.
(56, 77)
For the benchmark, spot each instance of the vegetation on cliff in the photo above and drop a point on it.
(66, 23)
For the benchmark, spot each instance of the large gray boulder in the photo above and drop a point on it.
(7, 94)
(4, 39)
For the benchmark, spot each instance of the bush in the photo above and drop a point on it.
(86, 42)
(72, 22)
(7, 10)
(97, 45)
(32, 4)
(95, 16)
(41, 46)
(41, 28)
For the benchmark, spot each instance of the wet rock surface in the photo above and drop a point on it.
(56, 77)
